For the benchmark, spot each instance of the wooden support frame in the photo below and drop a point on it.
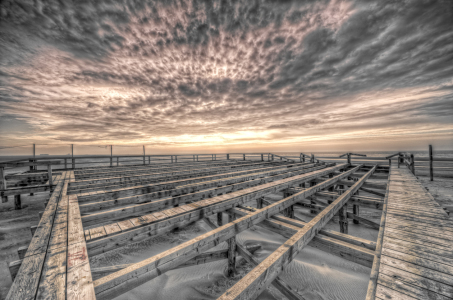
(132, 276)
(265, 273)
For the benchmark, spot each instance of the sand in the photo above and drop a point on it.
(314, 274)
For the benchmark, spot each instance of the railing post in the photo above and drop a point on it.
(412, 164)
(171, 158)
(431, 173)
(149, 159)
(262, 157)
(111, 155)
(34, 156)
(244, 156)
(343, 219)
(228, 156)
(349, 158)
(144, 153)
(72, 156)
(176, 158)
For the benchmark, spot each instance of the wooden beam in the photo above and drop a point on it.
(127, 279)
(251, 285)
(161, 222)
(278, 283)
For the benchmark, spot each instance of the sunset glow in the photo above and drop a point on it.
(251, 75)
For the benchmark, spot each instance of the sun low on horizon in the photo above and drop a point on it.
(227, 75)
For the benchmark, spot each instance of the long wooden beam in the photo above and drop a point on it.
(165, 185)
(178, 196)
(127, 279)
(125, 181)
(252, 284)
(278, 283)
(108, 237)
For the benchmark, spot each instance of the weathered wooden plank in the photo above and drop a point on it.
(126, 279)
(26, 281)
(251, 285)
(202, 208)
(79, 282)
(427, 288)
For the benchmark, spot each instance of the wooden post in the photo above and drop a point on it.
(14, 267)
(349, 158)
(176, 158)
(3, 178)
(231, 252)
(149, 159)
(144, 154)
(171, 158)
(355, 211)
(17, 202)
(72, 156)
(65, 163)
(219, 218)
(390, 162)
(111, 155)
(244, 156)
(259, 203)
(40, 213)
(262, 157)
(412, 164)
(431, 173)
(312, 160)
(197, 157)
(290, 212)
(34, 156)
(228, 157)
(49, 173)
(343, 219)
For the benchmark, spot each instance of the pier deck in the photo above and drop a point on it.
(414, 258)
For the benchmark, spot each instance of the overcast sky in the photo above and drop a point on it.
(228, 75)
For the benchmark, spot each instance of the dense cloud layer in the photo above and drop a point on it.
(227, 72)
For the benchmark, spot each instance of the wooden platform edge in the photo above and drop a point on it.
(372, 284)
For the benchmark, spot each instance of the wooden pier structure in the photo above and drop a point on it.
(95, 210)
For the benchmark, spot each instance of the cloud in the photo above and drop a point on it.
(169, 72)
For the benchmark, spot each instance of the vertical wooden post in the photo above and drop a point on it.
(17, 202)
(34, 156)
(144, 153)
(149, 159)
(228, 156)
(219, 218)
(244, 156)
(231, 251)
(262, 157)
(412, 164)
(313, 211)
(390, 162)
(176, 158)
(49, 173)
(290, 212)
(312, 160)
(111, 155)
(197, 157)
(3, 178)
(355, 211)
(259, 203)
(343, 213)
(72, 156)
(3, 184)
(349, 158)
(431, 173)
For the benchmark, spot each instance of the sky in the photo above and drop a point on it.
(226, 76)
